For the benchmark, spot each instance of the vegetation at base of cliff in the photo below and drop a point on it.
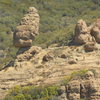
(33, 93)
(78, 74)
(58, 18)
(42, 93)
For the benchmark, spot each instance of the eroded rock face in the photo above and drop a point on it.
(73, 90)
(86, 88)
(95, 31)
(26, 54)
(82, 34)
(85, 34)
(88, 36)
(27, 29)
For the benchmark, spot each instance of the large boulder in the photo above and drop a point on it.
(27, 29)
(82, 33)
(95, 31)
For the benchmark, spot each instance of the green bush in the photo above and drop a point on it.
(78, 74)
(28, 97)
(33, 93)
(19, 97)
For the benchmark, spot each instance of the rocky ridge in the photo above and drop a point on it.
(47, 66)
(36, 66)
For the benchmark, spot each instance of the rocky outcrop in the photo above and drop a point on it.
(25, 54)
(27, 29)
(95, 31)
(36, 66)
(82, 33)
(86, 34)
(86, 88)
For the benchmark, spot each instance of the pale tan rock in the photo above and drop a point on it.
(72, 61)
(91, 46)
(82, 33)
(95, 31)
(48, 57)
(34, 71)
(26, 54)
(73, 90)
(85, 87)
(74, 96)
(27, 29)
(81, 27)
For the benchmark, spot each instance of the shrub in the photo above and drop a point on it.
(74, 74)
(19, 97)
(33, 93)
(15, 91)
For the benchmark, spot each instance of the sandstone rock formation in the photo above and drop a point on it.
(82, 34)
(25, 54)
(86, 88)
(27, 29)
(88, 36)
(36, 66)
(95, 31)
(30, 69)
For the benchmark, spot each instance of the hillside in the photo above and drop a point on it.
(47, 67)
(58, 18)
(55, 73)
(49, 50)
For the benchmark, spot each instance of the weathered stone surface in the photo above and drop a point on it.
(90, 46)
(48, 57)
(82, 34)
(73, 90)
(27, 29)
(25, 54)
(95, 31)
(85, 34)
(89, 36)
(86, 88)
(29, 69)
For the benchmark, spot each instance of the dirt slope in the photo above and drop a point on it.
(47, 66)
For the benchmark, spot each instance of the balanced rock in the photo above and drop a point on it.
(96, 31)
(82, 33)
(27, 29)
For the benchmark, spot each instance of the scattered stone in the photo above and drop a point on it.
(89, 75)
(90, 47)
(72, 61)
(48, 57)
(64, 56)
